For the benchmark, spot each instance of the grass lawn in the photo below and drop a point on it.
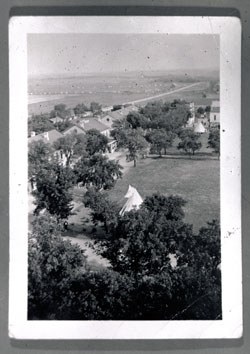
(197, 181)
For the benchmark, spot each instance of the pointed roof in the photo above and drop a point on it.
(134, 200)
(199, 128)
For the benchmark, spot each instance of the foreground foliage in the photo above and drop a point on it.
(160, 269)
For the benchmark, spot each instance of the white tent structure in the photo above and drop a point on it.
(134, 200)
(199, 128)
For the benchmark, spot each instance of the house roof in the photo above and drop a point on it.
(74, 129)
(199, 102)
(215, 107)
(48, 137)
(93, 124)
(215, 110)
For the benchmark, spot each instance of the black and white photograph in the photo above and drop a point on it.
(125, 178)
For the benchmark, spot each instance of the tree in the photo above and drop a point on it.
(39, 124)
(103, 210)
(143, 239)
(189, 141)
(137, 120)
(62, 126)
(71, 145)
(80, 109)
(96, 142)
(160, 139)
(214, 140)
(97, 171)
(39, 155)
(95, 107)
(200, 110)
(53, 264)
(53, 184)
(135, 143)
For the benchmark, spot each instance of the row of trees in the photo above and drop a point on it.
(160, 269)
(155, 127)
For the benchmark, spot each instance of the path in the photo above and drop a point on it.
(162, 94)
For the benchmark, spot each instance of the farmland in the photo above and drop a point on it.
(108, 90)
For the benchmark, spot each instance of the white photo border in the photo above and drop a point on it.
(231, 325)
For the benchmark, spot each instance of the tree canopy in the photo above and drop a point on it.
(97, 171)
(39, 124)
(53, 264)
(71, 145)
(96, 142)
(189, 141)
(160, 140)
(53, 184)
(214, 140)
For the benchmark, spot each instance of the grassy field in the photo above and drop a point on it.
(197, 181)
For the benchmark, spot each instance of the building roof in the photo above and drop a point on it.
(199, 102)
(215, 107)
(215, 110)
(74, 129)
(48, 137)
(93, 123)
(215, 104)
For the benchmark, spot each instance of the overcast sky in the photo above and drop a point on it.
(86, 53)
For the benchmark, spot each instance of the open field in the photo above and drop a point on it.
(45, 93)
(197, 181)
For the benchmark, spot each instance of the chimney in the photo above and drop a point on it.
(32, 134)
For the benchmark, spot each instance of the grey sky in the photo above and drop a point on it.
(86, 53)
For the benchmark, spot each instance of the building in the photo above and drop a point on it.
(214, 115)
(75, 129)
(88, 124)
(48, 137)
(119, 114)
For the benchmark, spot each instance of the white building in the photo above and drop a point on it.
(214, 115)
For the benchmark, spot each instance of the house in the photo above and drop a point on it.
(214, 115)
(107, 120)
(75, 129)
(119, 114)
(94, 123)
(48, 137)
(88, 124)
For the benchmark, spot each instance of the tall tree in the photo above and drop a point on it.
(103, 209)
(39, 124)
(53, 184)
(95, 107)
(135, 142)
(97, 171)
(39, 155)
(80, 109)
(214, 140)
(96, 142)
(137, 120)
(189, 141)
(53, 264)
(71, 145)
(160, 140)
